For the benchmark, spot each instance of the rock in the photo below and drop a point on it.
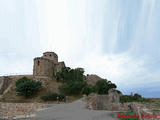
(4, 84)
(105, 102)
(92, 79)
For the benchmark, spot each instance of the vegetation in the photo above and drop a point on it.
(27, 87)
(87, 90)
(72, 88)
(53, 97)
(74, 84)
(135, 98)
(67, 75)
(103, 86)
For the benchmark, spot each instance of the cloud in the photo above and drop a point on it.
(116, 40)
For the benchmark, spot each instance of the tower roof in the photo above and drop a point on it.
(48, 52)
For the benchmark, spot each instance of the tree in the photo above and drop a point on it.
(137, 97)
(67, 74)
(26, 87)
(87, 90)
(103, 86)
(72, 88)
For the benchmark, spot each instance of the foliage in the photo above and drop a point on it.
(87, 90)
(72, 80)
(26, 87)
(103, 86)
(53, 97)
(128, 98)
(74, 84)
(94, 89)
(67, 74)
(137, 97)
(72, 88)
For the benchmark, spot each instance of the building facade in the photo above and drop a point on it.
(47, 65)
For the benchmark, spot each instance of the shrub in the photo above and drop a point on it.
(53, 97)
(22, 80)
(67, 74)
(128, 98)
(87, 90)
(72, 88)
(137, 97)
(94, 89)
(27, 88)
(61, 97)
(103, 86)
(50, 97)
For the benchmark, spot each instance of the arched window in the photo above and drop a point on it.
(38, 62)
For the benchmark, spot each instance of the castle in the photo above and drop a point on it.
(47, 65)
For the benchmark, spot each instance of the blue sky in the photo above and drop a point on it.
(115, 39)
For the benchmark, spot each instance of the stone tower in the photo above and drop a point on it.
(47, 65)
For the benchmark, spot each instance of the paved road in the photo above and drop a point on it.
(73, 111)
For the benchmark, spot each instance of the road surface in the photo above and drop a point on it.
(73, 111)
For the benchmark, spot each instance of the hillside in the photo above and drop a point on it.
(9, 93)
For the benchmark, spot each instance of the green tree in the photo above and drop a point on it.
(137, 97)
(72, 88)
(27, 88)
(103, 86)
(67, 74)
(87, 90)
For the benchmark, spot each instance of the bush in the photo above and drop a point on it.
(67, 74)
(128, 98)
(53, 97)
(72, 88)
(103, 86)
(27, 88)
(137, 97)
(87, 90)
(61, 97)
(94, 89)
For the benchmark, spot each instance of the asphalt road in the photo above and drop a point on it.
(73, 111)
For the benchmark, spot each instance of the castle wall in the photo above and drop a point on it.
(59, 66)
(43, 67)
(51, 55)
(4, 84)
(47, 65)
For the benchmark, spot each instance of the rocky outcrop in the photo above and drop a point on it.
(104, 102)
(92, 79)
(4, 84)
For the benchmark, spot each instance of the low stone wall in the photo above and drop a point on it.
(104, 102)
(19, 110)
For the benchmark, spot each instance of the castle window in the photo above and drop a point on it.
(38, 62)
(50, 55)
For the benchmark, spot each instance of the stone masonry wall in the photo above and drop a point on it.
(59, 66)
(4, 84)
(43, 67)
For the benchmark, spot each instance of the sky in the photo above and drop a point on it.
(116, 39)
